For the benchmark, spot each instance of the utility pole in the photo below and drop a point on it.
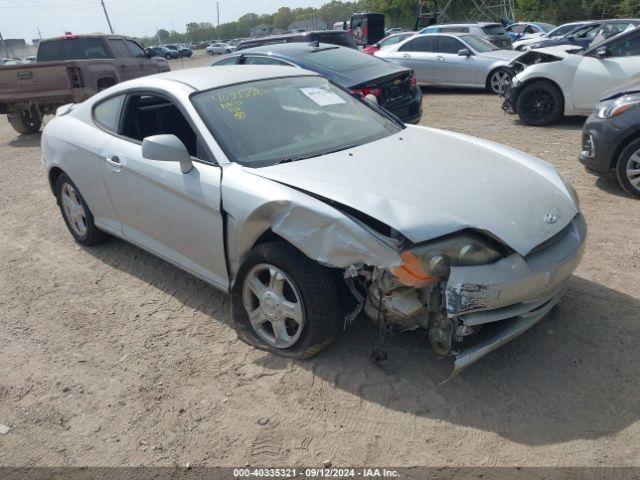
(107, 16)
(4, 48)
(218, 12)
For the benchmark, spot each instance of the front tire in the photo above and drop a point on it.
(498, 80)
(285, 303)
(628, 168)
(76, 213)
(540, 103)
(168, 56)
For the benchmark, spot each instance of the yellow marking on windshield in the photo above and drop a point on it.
(234, 102)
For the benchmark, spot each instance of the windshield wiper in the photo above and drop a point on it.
(304, 157)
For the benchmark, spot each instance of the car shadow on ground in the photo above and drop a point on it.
(611, 186)
(29, 140)
(565, 123)
(575, 375)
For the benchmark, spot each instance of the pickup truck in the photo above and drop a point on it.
(70, 69)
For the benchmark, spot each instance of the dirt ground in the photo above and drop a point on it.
(110, 356)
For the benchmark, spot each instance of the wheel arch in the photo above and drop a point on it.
(621, 146)
(53, 175)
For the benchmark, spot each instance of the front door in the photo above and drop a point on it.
(127, 66)
(451, 68)
(596, 75)
(417, 54)
(174, 215)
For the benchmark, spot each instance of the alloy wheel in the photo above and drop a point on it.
(73, 210)
(274, 305)
(499, 81)
(633, 170)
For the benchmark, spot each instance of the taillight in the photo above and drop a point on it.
(413, 81)
(376, 92)
(75, 77)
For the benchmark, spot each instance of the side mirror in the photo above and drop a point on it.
(602, 52)
(149, 53)
(167, 148)
(465, 52)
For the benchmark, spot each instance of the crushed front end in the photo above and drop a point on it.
(471, 294)
(518, 65)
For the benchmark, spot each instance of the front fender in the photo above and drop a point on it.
(254, 205)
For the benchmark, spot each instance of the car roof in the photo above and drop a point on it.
(205, 78)
(469, 24)
(290, 49)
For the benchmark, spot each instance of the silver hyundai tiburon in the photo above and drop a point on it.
(309, 206)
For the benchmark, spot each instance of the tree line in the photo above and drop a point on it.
(400, 13)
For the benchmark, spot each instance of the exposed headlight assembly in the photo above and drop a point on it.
(616, 106)
(433, 261)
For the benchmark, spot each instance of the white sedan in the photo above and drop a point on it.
(552, 82)
(309, 206)
(220, 48)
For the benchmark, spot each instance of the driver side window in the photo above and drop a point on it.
(449, 45)
(626, 48)
(146, 115)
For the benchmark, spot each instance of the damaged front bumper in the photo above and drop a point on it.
(510, 98)
(480, 308)
(514, 293)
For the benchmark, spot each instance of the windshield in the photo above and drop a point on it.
(269, 121)
(561, 30)
(479, 44)
(340, 60)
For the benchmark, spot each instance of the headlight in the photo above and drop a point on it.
(611, 108)
(433, 261)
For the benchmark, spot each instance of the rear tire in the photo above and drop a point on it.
(540, 103)
(26, 123)
(628, 169)
(76, 213)
(303, 284)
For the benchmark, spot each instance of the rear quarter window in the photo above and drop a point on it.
(107, 113)
(71, 49)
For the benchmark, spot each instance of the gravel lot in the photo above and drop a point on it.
(109, 356)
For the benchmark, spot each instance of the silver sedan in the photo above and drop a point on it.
(309, 206)
(453, 60)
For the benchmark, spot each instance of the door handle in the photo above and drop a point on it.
(114, 162)
(441, 59)
(406, 55)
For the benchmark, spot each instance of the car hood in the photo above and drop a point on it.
(631, 86)
(506, 55)
(426, 183)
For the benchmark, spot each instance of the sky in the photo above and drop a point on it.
(22, 18)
